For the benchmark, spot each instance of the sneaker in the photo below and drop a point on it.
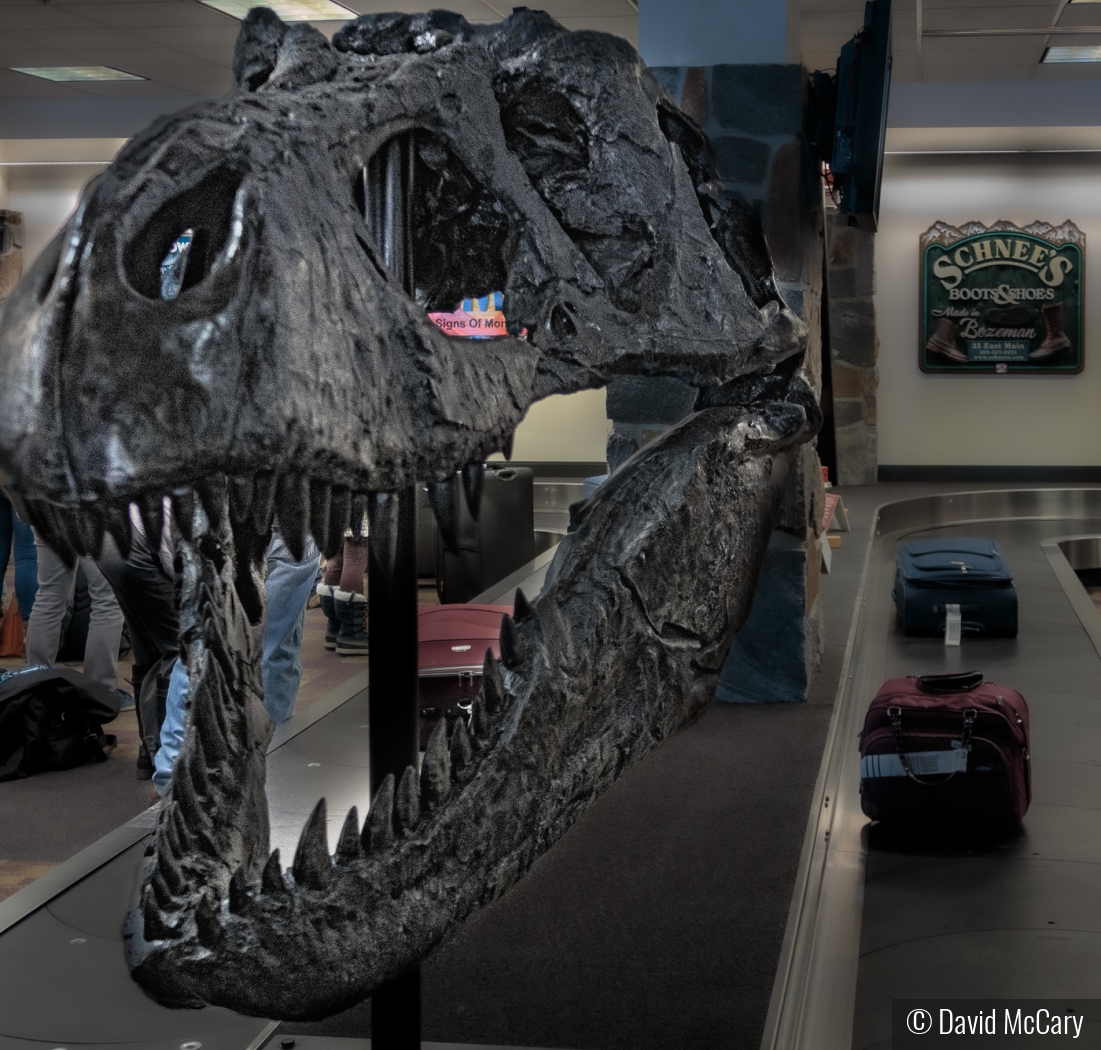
(328, 607)
(351, 608)
(127, 703)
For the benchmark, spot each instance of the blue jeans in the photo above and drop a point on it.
(287, 588)
(20, 536)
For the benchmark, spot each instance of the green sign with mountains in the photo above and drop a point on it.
(1002, 298)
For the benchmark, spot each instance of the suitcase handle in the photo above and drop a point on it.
(894, 713)
(952, 682)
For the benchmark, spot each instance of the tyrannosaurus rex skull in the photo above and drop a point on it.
(296, 372)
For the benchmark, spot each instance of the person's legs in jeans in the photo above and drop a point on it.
(288, 589)
(26, 565)
(55, 585)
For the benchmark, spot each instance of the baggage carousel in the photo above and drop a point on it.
(873, 918)
(880, 916)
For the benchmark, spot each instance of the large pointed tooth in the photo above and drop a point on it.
(378, 828)
(321, 494)
(196, 762)
(348, 846)
(356, 514)
(151, 508)
(168, 866)
(382, 530)
(479, 720)
(206, 918)
(180, 832)
(238, 892)
(50, 523)
(118, 525)
(512, 648)
(212, 494)
(493, 686)
(154, 927)
(271, 881)
(436, 767)
(445, 509)
(474, 477)
(521, 607)
(461, 749)
(293, 512)
(162, 891)
(206, 716)
(506, 446)
(240, 499)
(263, 501)
(339, 508)
(407, 802)
(86, 531)
(313, 867)
(183, 512)
(183, 792)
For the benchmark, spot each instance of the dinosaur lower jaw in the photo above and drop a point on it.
(620, 651)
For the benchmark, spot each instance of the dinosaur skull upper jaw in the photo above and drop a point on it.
(294, 378)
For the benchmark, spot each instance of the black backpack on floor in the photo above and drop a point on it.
(52, 718)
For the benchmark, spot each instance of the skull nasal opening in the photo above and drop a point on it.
(186, 234)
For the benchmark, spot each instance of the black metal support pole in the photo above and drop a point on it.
(394, 703)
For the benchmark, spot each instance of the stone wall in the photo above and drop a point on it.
(854, 349)
(11, 251)
(754, 117)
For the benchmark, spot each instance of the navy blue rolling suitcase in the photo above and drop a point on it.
(967, 571)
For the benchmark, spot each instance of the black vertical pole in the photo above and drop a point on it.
(392, 596)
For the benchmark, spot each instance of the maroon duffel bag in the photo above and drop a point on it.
(946, 748)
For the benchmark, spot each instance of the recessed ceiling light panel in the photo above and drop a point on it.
(1073, 54)
(75, 74)
(288, 10)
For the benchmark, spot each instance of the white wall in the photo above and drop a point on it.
(988, 420)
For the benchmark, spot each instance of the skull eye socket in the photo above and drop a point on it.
(160, 262)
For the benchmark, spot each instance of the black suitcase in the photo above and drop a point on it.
(497, 544)
(967, 571)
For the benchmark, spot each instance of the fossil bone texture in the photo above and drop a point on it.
(293, 376)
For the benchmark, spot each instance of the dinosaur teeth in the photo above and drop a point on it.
(240, 499)
(479, 719)
(512, 648)
(271, 881)
(151, 509)
(183, 512)
(407, 802)
(357, 513)
(349, 847)
(436, 767)
(462, 752)
(339, 508)
(168, 868)
(506, 446)
(118, 525)
(493, 686)
(445, 509)
(212, 494)
(154, 927)
(50, 523)
(383, 526)
(312, 866)
(321, 497)
(207, 914)
(521, 607)
(238, 892)
(294, 512)
(263, 501)
(474, 476)
(86, 532)
(378, 828)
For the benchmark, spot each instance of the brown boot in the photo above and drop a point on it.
(1055, 339)
(943, 340)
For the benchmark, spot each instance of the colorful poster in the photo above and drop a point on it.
(481, 318)
(1002, 298)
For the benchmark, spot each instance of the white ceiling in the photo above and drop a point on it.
(185, 49)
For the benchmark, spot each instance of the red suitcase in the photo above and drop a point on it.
(452, 644)
(949, 748)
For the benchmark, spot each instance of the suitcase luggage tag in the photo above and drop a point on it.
(953, 624)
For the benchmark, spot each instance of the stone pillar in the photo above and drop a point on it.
(754, 116)
(854, 349)
(11, 251)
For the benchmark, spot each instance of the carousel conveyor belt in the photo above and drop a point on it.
(879, 916)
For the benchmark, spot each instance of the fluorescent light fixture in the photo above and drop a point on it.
(288, 10)
(1073, 54)
(75, 74)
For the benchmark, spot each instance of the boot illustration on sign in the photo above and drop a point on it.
(1055, 338)
(943, 340)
